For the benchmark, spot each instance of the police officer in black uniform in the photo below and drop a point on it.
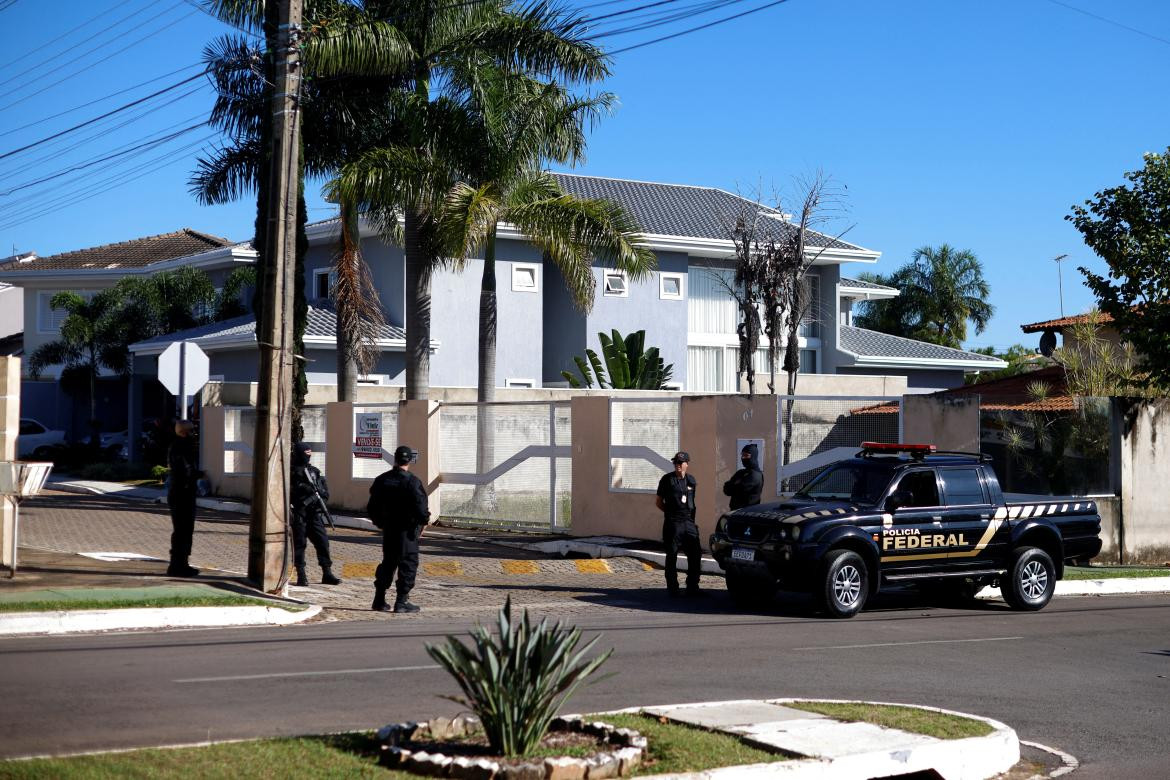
(676, 499)
(746, 485)
(183, 460)
(398, 505)
(309, 492)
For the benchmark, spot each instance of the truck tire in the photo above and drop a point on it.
(1031, 580)
(748, 591)
(845, 584)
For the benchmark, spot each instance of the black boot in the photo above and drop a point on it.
(327, 577)
(302, 578)
(181, 569)
(402, 605)
(379, 604)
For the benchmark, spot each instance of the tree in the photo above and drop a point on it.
(1020, 360)
(941, 290)
(88, 342)
(630, 365)
(452, 51)
(1128, 226)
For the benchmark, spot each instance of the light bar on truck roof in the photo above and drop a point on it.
(917, 449)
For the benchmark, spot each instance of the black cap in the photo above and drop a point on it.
(681, 457)
(404, 455)
(302, 446)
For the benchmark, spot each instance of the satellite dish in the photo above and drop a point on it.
(1048, 343)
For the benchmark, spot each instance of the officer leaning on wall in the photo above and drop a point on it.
(398, 505)
(676, 499)
(747, 484)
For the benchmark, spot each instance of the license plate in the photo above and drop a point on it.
(743, 554)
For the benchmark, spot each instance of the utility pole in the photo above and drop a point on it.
(1060, 281)
(268, 533)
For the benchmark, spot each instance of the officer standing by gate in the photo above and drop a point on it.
(676, 499)
(309, 492)
(398, 505)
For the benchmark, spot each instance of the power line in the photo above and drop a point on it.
(699, 27)
(1091, 15)
(117, 110)
(123, 50)
(20, 57)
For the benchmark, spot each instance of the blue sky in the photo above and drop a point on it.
(972, 122)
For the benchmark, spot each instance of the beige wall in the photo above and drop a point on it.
(1144, 528)
(948, 422)
(832, 384)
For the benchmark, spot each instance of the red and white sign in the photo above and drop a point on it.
(367, 435)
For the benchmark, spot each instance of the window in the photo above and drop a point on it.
(670, 286)
(710, 307)
(705, 369)
(524, 277)
(923, 488)
(323, 281)
(963, 487)
(49, 319)
(519, 383)
(30, 427)
(616, 284)
(810, 326)
(808, 361)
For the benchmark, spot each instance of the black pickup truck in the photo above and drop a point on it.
(905, 514)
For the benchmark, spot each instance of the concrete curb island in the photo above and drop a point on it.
(153, 618)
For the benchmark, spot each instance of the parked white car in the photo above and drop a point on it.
(35, 440)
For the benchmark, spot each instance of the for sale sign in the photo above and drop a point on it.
(367, 435)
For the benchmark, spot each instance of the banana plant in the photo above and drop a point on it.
(629, 364)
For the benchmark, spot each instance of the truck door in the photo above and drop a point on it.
(970, 522)
(909, 533)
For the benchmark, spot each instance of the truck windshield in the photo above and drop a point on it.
(861, 483)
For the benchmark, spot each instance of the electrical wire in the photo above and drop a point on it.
(1091, 15)
(103, 14)
(698, 27)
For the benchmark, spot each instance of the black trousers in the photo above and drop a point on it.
(182, 507)
(399, 554)
(310, 529)
(682, 536)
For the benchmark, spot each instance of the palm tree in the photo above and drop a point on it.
(941, 289)
(458, 55)
(533, 122)
(88, 342)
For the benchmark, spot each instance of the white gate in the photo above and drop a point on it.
(643, 436)
(813, 431)
(506, 464)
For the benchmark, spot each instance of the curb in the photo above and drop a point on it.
(91, 620)
(971, 758)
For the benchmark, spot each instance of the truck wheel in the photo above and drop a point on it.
(1031, 579)
(845, 585)
(747, 591)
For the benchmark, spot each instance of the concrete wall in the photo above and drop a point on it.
(949, 423)
(9, 429)
(918, 380)
(11, 310)
(1143, 533)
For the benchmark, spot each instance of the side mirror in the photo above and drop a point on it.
(898, 499)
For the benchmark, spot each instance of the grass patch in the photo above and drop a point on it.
(1113, 572)
(912, 719)
(677, 748)
(69, 605)
(673, 748)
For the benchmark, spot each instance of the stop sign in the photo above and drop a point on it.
(183, 368)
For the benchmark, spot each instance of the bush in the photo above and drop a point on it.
(160, 472)
(115, 472)
(516, 683)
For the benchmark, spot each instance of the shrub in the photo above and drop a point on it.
(115, 472)
(516, 683)
(160, 472)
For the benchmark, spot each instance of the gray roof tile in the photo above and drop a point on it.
(863, 285)
(683, 210)
(321, 323)
(871, 343)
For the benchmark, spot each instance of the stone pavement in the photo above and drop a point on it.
(463, 573)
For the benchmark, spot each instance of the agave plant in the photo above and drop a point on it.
(517, 681)
(630, 365)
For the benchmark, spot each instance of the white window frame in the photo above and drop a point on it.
(663, 294)
(44, 311)
(331, 275)
(624, 292)
(517, 286)
(520, 383)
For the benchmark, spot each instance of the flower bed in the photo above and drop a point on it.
(420, 748)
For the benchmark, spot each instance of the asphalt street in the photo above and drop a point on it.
(1090, 676)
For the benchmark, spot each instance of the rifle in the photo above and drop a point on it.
(321, 501)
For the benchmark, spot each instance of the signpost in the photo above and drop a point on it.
(367, 435)
(183, 369)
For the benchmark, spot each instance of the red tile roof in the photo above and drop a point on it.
(136, 253)
(1011, 393)
(1065, 322)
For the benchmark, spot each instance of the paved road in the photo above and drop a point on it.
(1089, 675)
